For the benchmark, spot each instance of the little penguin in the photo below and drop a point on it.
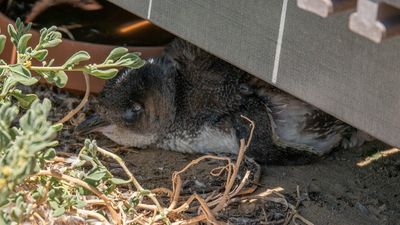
(188, 100)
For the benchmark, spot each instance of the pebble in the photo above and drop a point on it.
(247, 208)
(383, 208)
(314, 188)
(363, 209)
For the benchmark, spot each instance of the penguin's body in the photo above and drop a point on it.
(190, 101)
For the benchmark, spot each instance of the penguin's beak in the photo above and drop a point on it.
(91, 124)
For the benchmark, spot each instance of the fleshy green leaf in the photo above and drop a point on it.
(7, 85)
(103, 74)
(59, 78)
(39, 192)
(131, 56)
(2, 42)
(57, 126)
(16, 213)
(49, 37)
(136, 64)
(76, 58)
(22, 75)
(50, 154)
(18, 31)
(24, 100)
(12, 32)
(23, 42)
(115, 54)
(96, 176)
(40, 54)
(54, 42)
(80, 204)
(119, 181)
(58, 212)
(2, 63)
(131, 60)
(19, 74)
(7, 115)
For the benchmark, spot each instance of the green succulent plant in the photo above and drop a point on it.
(27, 141)
(21, 71)
(23, 149)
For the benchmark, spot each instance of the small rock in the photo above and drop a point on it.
(247, 208)
(314, 188)
(363, 209)
(383, 208)
(199, 184)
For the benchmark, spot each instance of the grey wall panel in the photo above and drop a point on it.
(225, 27)
(138, 7)
(342, 73)
(321, 62)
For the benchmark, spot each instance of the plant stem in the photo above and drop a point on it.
(135, 182)
(81, 104)
(58, 68)
(85, 185)
(55, 68)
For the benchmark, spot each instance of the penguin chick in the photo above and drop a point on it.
(190, 101)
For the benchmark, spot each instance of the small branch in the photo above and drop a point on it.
(231, 179)
(175, 192)
(93, 214)
(162, 190)
(74, 69)
(176, 175)
(194, 220)
(85, 185)
(184, 206)
(134, 181)
(81, 104)
(252, 127)
(209, 214)
(124, 167)
(37, 216)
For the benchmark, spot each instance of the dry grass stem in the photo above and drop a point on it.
(85, 185)
(93, 214)
(81, 104)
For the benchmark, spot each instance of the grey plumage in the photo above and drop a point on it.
(188, 100)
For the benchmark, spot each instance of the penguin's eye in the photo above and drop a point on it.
(136, 107)
(131, 114)
(245, 89)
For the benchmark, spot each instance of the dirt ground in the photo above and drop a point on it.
(334, 190)
(340, 192)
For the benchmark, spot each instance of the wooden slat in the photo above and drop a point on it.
(375, 20)
(325, 8)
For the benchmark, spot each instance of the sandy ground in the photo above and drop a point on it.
(334, 190)
(340, 192)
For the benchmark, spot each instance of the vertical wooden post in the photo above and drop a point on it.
(325, 8)
(375, 20)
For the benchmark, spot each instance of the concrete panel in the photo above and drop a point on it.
(321, 61)
(138, 7)
(225, 28)
(342, 73)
